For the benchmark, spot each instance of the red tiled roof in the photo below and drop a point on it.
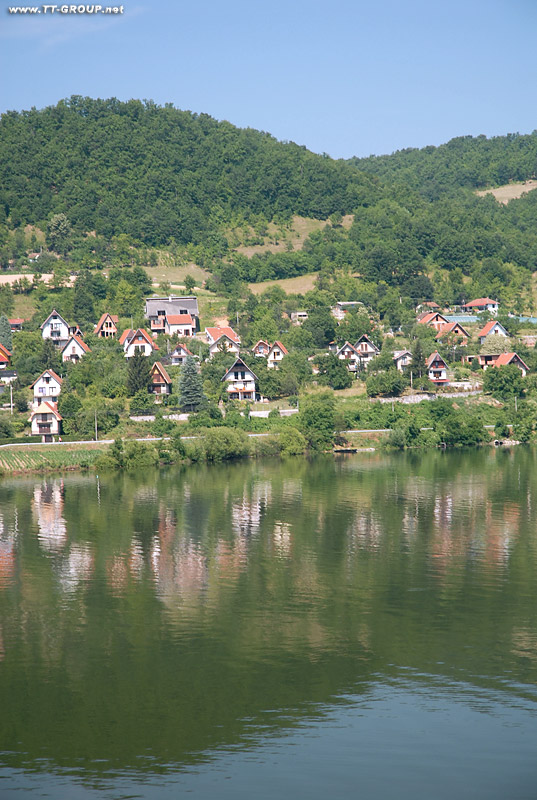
(449, 327)
(16, 321)
(130, 334)
(5, 351)
(179, 319)
(113, 317)
(79, 341)
(481, 301)
(429, 316)
(182, 347)
(434, 357)
(47, 372)
(217, 333)
(504, 359)
(280, 346)
(488, 327)
(51, 407)
(158, 367)
(125, 335)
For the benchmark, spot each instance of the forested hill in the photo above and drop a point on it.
(467, 161)
(155, 173)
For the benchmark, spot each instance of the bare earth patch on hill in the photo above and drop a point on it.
(298, 285)
(512, 191)
(278, 241)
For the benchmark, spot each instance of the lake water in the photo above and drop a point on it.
(364, 627)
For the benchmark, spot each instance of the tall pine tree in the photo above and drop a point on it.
(191, 397)
(138, 373)
(5, 333)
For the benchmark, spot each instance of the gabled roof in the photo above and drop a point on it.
(280, 346)
(261, 341)
(425, 319)
(79, 342)
(399, 353)
(48, 372)
(113, 317)
(222, 337)
(217, 333)
(179, 319)
(239, 363)
(504, 359)
(16, 321)
(181, 347)
(435, 357)
(5, 351)
(486, 329)
(54, 313)
(344, 346)
(130, 334)
(365, 337)
(52, 407)
(449, 328)
(481, 301)
(158, 367)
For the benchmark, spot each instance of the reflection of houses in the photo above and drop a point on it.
(45, 421)
(77, 567)
(74, 349)
(246, 516)
(47, 506)
(437, 368)
(161, 383)
(241, 381)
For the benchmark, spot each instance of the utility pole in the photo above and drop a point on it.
(11, 397)
(96, 425)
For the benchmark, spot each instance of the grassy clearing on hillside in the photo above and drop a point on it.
(298, 285)
(511, 191)
(18, 459)
(175, 275)
(281, 238)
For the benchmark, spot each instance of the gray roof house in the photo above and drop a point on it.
(158, 308)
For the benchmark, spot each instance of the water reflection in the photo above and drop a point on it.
(155, 614)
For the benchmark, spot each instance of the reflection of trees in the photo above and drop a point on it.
(212, 593)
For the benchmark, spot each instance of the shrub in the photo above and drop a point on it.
(292, 442)
(224, 443)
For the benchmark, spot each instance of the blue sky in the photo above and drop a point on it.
(354, 78)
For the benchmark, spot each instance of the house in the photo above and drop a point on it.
(74, 349)
(158, 308)
(481, 304)
(261, 349)
(433, 318)
(402, 359)
(504, 359)
(275, 355)
(483, 360)
(46, 422)
(343, 307)
(55, 328)
(133, 340)
(298, 317)
(222, 340)
(16, 324)
(5, 357)
(492, 328)
(180, 324)
(161, 383)
(106, 328)
(8, 376)
(47, 387)
(437, 369)
(179, 355)
(75, 330)
(241, 381)
(453, 329)
(350, 355)
(366, 349)
(429, 304)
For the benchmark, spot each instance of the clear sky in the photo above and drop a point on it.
(353, 78)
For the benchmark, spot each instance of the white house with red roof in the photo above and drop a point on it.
(433, 318)
(222, 340)
(55, 328)
(16, 324)
(261, 349)
(276, 354)
(47, 387)
(74, 349)
(505, 359)
(133, 340)
(492, 328)
(481, 304)
(366, 349)
(45, 421)
(349, 355)
(5, 357)
(453, 329)
(241, 381)
(180, 324)
(179, 354)
(402, 359)
(437, 370)
(106, 328)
